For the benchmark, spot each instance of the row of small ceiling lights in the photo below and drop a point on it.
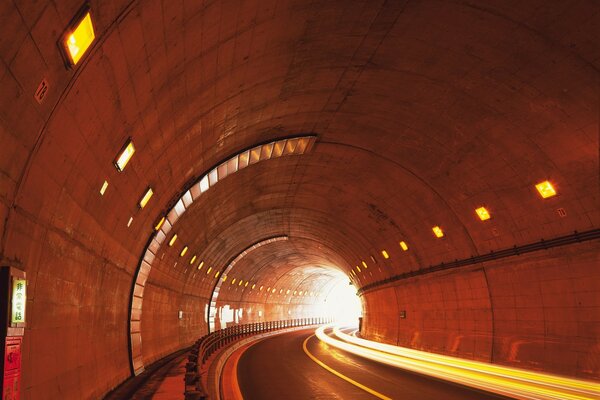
(545, 190)
(76, 41)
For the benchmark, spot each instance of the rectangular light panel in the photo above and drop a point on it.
(79, 39)
(483, 213)
(146, 198)
(124, 155)
(545, 189)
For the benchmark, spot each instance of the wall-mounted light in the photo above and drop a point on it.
(172, 241)
(78, 37)
(217, 274)
(159, 224)
(403, 246)
(201, 265)
(103, 188)
(438, 232)
(385, 254)
(146, 198)
(365, 265)
(483, 213)
(193, 259)
(545, 189)
(124, 155)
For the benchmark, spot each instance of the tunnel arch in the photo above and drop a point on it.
(478, 101)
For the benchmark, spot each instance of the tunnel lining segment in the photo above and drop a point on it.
(575, 237)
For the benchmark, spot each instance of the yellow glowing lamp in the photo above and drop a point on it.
(403, 246)
(193, 260)
(385, 254)
(365, 265)
(79, 39)
(159, 224)
(103, 188)
(183, 251)
(438, 232)
(201, 265)
(483, 213)
(172, 241)
(124, 155)
(545, 189)
(146, 198)
(233, 281)
(217, 274)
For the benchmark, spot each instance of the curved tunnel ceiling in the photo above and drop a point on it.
(423, 112)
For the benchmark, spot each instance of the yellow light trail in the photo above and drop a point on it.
(507, 381)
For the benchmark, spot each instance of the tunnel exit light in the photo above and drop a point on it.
(124, 155)
(403, 246)
(146, 198)
(545, 189)
(483, 213)
(438, 232)
(78, 39)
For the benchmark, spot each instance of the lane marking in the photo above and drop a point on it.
(340, 375)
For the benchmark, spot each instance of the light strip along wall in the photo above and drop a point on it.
(212, 310)
(284, 147)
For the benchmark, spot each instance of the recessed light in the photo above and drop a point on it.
(146, 198)
(193, 259)
(385, 254)
(172, 241)
(438, 232)
(365, 265)
(545, 189)
(159, 224)
(483, 213)
(183, 251)
(78, 39)
(130, 221)
(124, 155)
(103, 188)
(201, 265)
(403, 245)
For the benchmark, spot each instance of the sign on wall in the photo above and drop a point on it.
(19, 296)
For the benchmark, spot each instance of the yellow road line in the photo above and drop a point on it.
(340, 375)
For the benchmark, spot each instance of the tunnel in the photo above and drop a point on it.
(173, 169)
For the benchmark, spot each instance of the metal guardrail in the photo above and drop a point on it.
(575, 237)
(208, 344)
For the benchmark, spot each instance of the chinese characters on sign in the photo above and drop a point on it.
(18, 301)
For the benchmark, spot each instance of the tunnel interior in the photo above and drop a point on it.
(299, 152)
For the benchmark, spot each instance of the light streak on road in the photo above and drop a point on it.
(512, 382)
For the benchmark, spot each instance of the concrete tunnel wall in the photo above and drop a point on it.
(423, 111)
